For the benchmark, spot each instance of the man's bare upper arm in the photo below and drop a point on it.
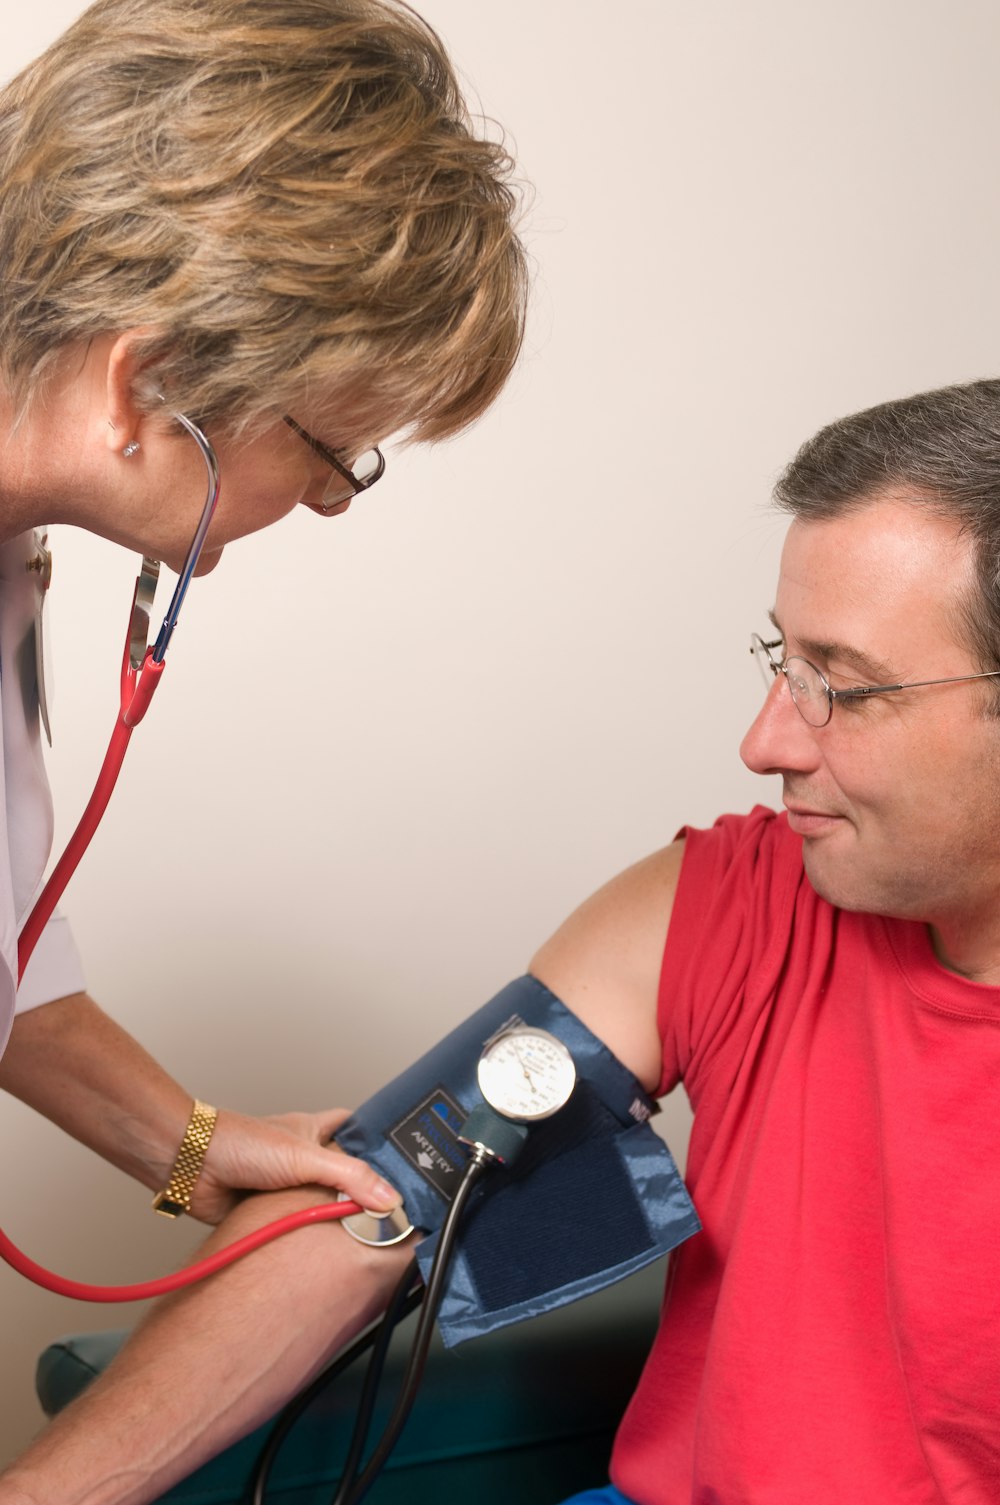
(604, 962)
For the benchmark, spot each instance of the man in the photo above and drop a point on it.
(830, 996)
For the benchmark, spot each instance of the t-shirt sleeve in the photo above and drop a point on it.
(727, 939)
(55, 969)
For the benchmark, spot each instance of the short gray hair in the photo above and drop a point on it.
(943, 449)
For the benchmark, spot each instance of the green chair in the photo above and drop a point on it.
(525, 1416)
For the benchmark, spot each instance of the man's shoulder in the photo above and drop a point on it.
(604, 961)
(738, 900)
(757, 848)
(758, 826)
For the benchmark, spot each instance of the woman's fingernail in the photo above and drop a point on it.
(385, 1193)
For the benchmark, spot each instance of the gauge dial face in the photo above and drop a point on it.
(526, 1073)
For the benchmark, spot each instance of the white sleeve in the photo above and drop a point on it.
(55, 969)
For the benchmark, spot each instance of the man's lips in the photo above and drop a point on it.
(805, 820)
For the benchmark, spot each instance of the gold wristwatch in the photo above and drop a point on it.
(175, 1197)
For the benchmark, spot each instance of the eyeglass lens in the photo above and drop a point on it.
(808, 691)
(339, 488)
(807, 687)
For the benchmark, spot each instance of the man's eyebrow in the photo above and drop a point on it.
(874, 670)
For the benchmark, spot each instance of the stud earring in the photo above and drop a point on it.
(131, 448)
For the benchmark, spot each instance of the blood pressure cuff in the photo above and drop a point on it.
(594, 1194)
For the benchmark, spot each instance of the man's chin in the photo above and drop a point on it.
(856, 888)
(832, 880)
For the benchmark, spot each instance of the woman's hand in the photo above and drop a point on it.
(68, 1060)
(269, 1154)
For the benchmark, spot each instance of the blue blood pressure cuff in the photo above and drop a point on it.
(594, 1194)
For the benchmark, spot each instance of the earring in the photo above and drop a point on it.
(131, 448)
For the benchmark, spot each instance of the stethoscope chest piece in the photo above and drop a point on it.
(377, 1229)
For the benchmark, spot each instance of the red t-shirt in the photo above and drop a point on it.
(832, 1337)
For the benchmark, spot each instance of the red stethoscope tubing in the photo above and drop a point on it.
(137, 691)
(137, 688)
(81, 1291)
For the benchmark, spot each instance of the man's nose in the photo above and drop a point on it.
(779, 739)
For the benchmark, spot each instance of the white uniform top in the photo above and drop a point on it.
(55, 969)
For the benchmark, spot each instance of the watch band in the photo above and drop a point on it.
(175, 1197)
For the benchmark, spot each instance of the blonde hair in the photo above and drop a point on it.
(289, 193)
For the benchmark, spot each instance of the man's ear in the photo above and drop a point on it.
(126, 361)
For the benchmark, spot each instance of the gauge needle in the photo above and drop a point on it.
(527, 1073)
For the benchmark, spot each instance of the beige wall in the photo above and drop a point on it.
(393, 750)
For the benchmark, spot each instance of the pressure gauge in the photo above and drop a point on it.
(526, 1073)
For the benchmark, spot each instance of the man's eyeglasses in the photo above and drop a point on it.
(812, 692)
(343, 483)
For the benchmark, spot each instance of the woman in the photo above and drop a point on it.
(271, 217)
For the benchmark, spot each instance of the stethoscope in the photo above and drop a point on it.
(493, 1132)
(142, 669)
